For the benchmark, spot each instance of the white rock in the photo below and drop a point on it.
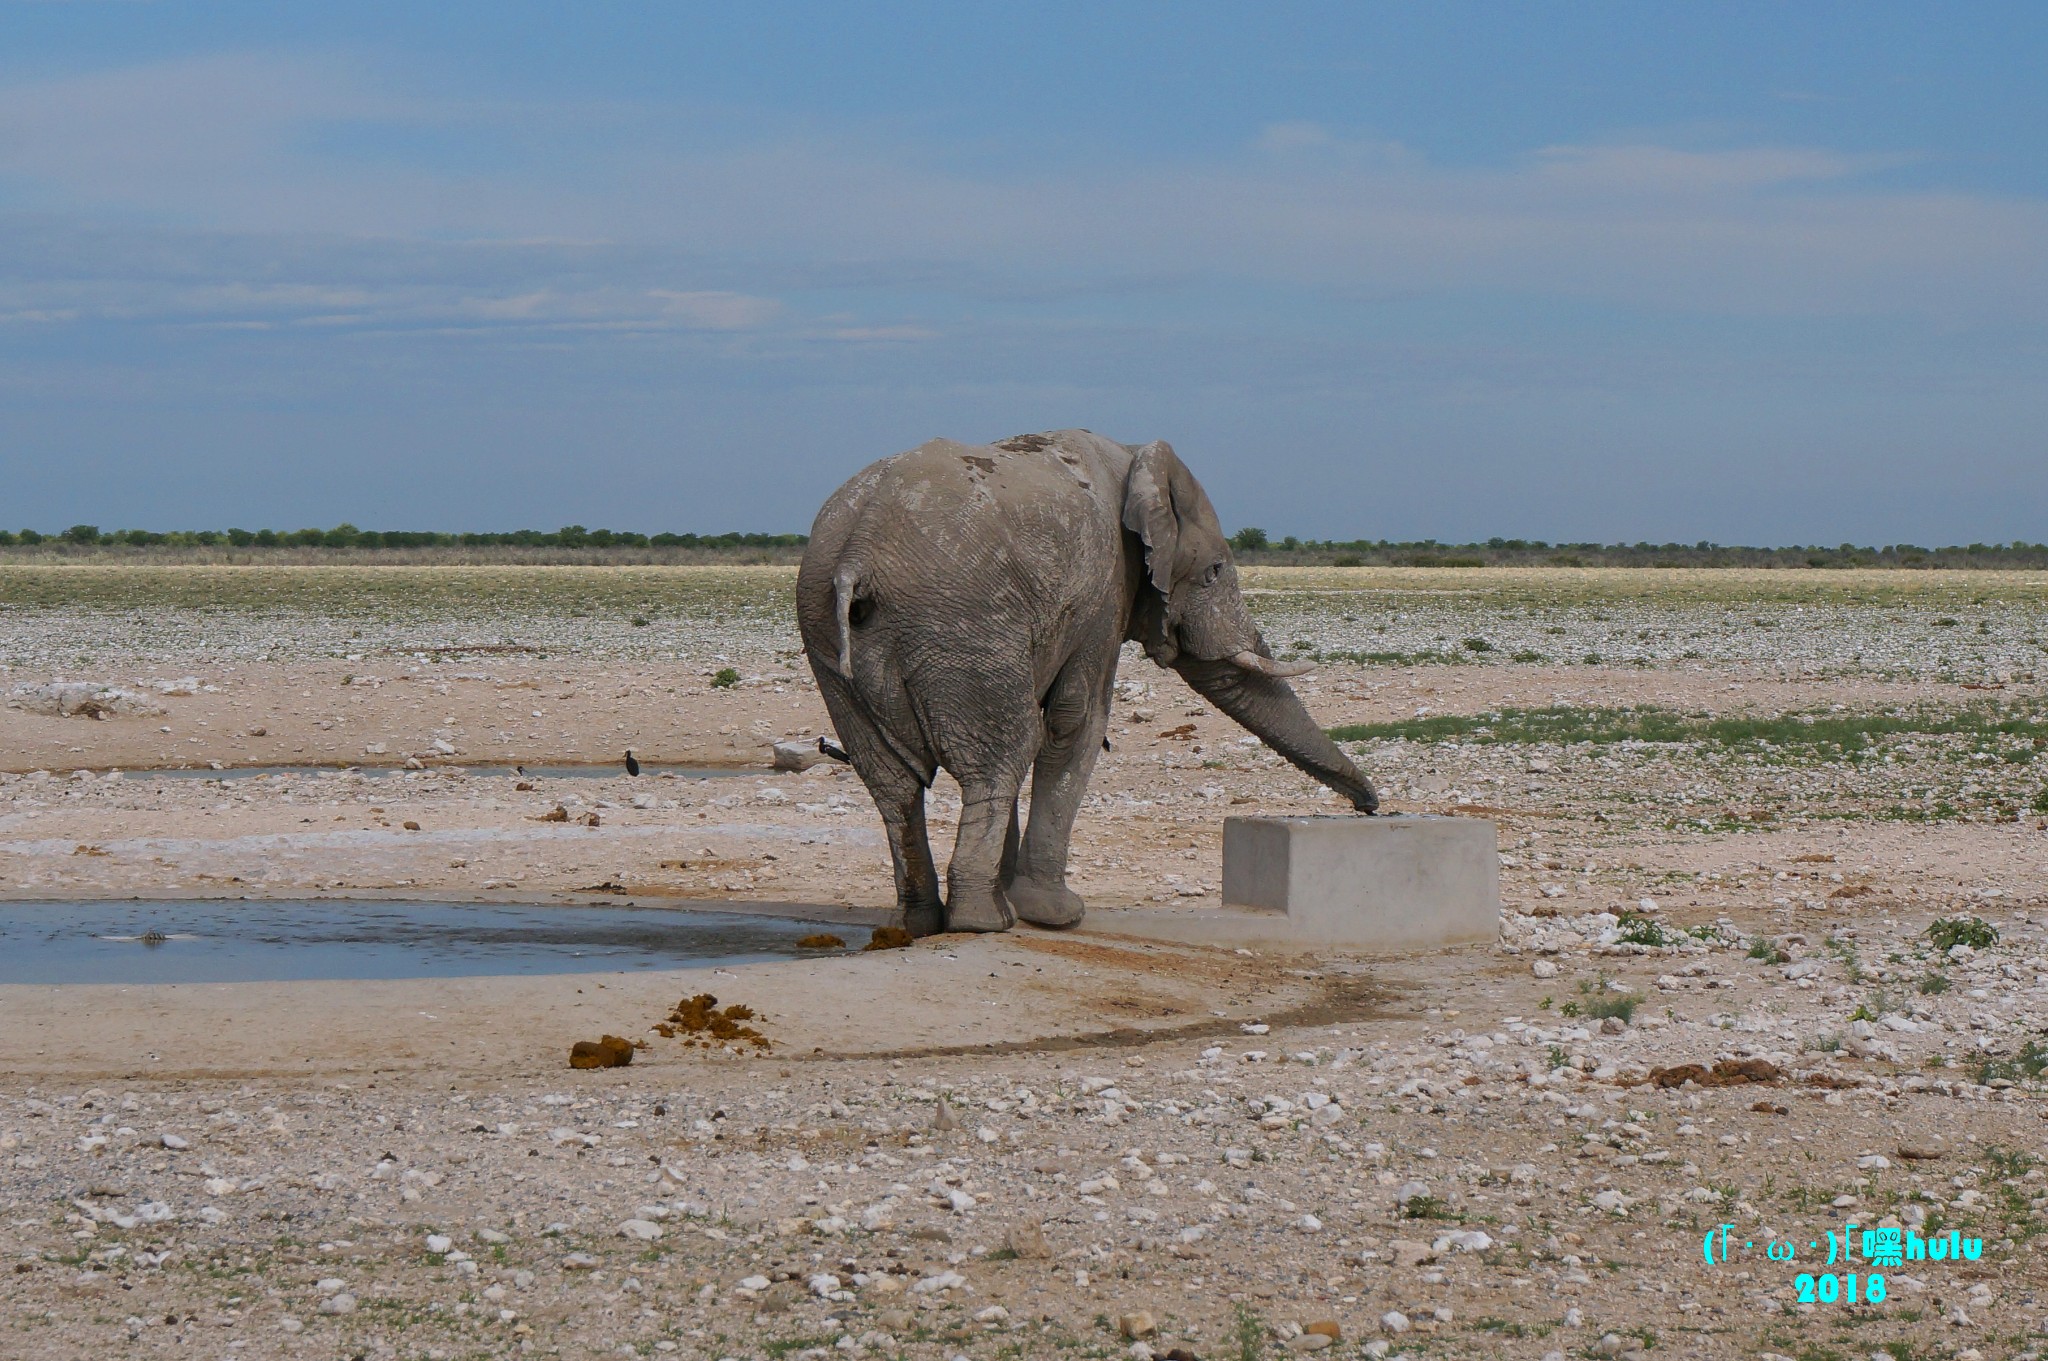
(795, 753)
(175, 1142)
(1543, 968)
(343, 1303)
(440, 1244)
(1394, 1321)
(645, 1230)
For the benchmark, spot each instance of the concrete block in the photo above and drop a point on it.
(1378, 884)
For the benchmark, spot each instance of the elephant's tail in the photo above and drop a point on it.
(845, 586)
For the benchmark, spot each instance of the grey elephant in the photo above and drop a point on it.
(963, 606)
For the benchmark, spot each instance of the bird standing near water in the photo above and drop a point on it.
(632, 766)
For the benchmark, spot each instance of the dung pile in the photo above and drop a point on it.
(699, 1020)
(608, 1052)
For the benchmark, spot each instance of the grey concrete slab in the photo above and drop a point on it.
(1377, 885)
(1381, 884)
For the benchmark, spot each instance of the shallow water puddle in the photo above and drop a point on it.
(648, 770)
(239, 942)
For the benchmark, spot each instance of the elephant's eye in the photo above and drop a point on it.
(1209, 577)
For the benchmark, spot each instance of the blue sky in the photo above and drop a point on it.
(1750, 273)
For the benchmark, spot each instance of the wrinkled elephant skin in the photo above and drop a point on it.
(963, 606)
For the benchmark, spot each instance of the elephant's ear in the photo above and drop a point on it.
(1149, 512)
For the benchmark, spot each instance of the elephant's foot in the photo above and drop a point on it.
(1045, 904)
(923, 919)
(979, 910)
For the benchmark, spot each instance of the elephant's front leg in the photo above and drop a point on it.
(1076, 715)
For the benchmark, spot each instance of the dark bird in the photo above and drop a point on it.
(827, 747)
(520, 771)
(1105, 744)
(632, 766)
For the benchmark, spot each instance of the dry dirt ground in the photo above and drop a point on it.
(1731, 806)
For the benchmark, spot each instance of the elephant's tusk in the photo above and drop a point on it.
(1266, 666)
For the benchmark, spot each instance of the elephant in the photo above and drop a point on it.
(964, 607)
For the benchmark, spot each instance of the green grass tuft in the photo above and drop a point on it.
(1825, 735)
(1948, 932)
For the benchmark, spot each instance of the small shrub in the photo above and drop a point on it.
(726, 679)
(1768, 951)
(1558, 1058)
(1600, 1003)
(1478, 645)
(1250, 1330)
(1425, 1207)
(1975, 932)
(1637, 929)
(1934, 984)
(1622, 1005)
(2027, 1065)
(1349, 560)
(1525, 655)
(639, 621)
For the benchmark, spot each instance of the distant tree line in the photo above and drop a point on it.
(348, 536)
(1252, 546)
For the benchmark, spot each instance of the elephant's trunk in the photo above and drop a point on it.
(1266, 705)
(1266, 666)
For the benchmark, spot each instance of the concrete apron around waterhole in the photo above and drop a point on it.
(1020, 991)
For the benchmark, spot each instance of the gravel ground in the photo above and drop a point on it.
(1115, 1149)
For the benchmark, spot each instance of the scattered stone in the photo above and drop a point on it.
(1027, 1239)
(175, 1142)
(796, 754)
(1137, 1323)
(1922, 1147)
(1409, 1253)
(640, 1230)
(340, 1303)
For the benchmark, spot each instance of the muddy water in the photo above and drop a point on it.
(232, 942)
(537, 772)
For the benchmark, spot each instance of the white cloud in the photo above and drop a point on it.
(247, 144)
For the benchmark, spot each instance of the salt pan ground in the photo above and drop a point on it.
(1730, 808)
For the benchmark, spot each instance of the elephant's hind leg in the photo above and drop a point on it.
(975, 897)
(901, 804)
(1076, 714)
(898, 792)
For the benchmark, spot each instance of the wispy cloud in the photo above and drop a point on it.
(263, 144)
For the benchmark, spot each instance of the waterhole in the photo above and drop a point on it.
(648, 771)
(238, 942)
